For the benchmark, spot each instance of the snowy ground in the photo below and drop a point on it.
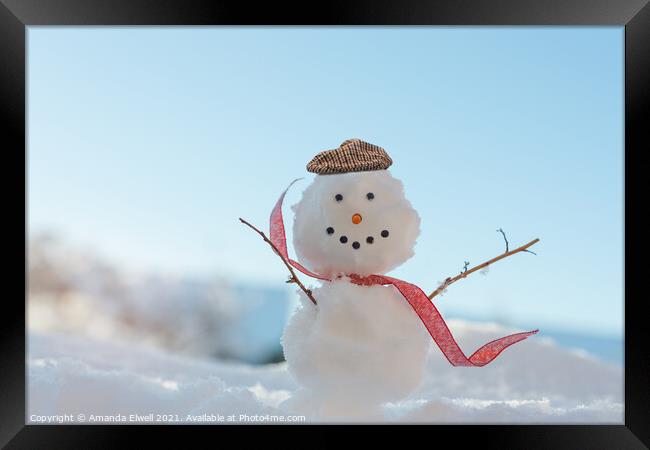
(535, 381)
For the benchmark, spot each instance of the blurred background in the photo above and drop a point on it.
(145, 145)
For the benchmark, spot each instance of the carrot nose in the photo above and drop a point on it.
(356, 219)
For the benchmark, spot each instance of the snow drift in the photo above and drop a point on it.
(539, 382)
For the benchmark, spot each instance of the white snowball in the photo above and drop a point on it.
(360, 347)
(388, 210)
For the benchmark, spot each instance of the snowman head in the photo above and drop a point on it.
(354, 217)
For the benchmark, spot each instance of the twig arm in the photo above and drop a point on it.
(450, 280)
(293, 278)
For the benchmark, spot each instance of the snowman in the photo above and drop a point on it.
(361, 338)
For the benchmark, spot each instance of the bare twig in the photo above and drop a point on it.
(448, 281)
(504, 238)
(293, 278)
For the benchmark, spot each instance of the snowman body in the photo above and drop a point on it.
(360, 346)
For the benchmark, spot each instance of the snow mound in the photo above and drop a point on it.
(75, 379)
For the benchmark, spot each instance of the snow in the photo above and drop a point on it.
(533, 382)
(74, 290)
(333, 253)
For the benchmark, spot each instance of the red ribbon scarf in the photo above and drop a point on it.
(418, 300)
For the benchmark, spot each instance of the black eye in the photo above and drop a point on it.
(330, 230)
(370, 239)
(384, 233)
(370, 195)
(343, 239)
(338, 197)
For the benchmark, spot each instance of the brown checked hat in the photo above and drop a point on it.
(353, 155)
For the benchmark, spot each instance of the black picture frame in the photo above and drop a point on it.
(16, 15)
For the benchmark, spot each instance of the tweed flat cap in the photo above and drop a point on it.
(354, 155)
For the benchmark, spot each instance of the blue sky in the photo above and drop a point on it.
(147, 144)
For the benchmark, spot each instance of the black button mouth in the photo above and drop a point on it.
(384, 233)
(355, 245)
(330, 230)
(370, 239)
(343, 239)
